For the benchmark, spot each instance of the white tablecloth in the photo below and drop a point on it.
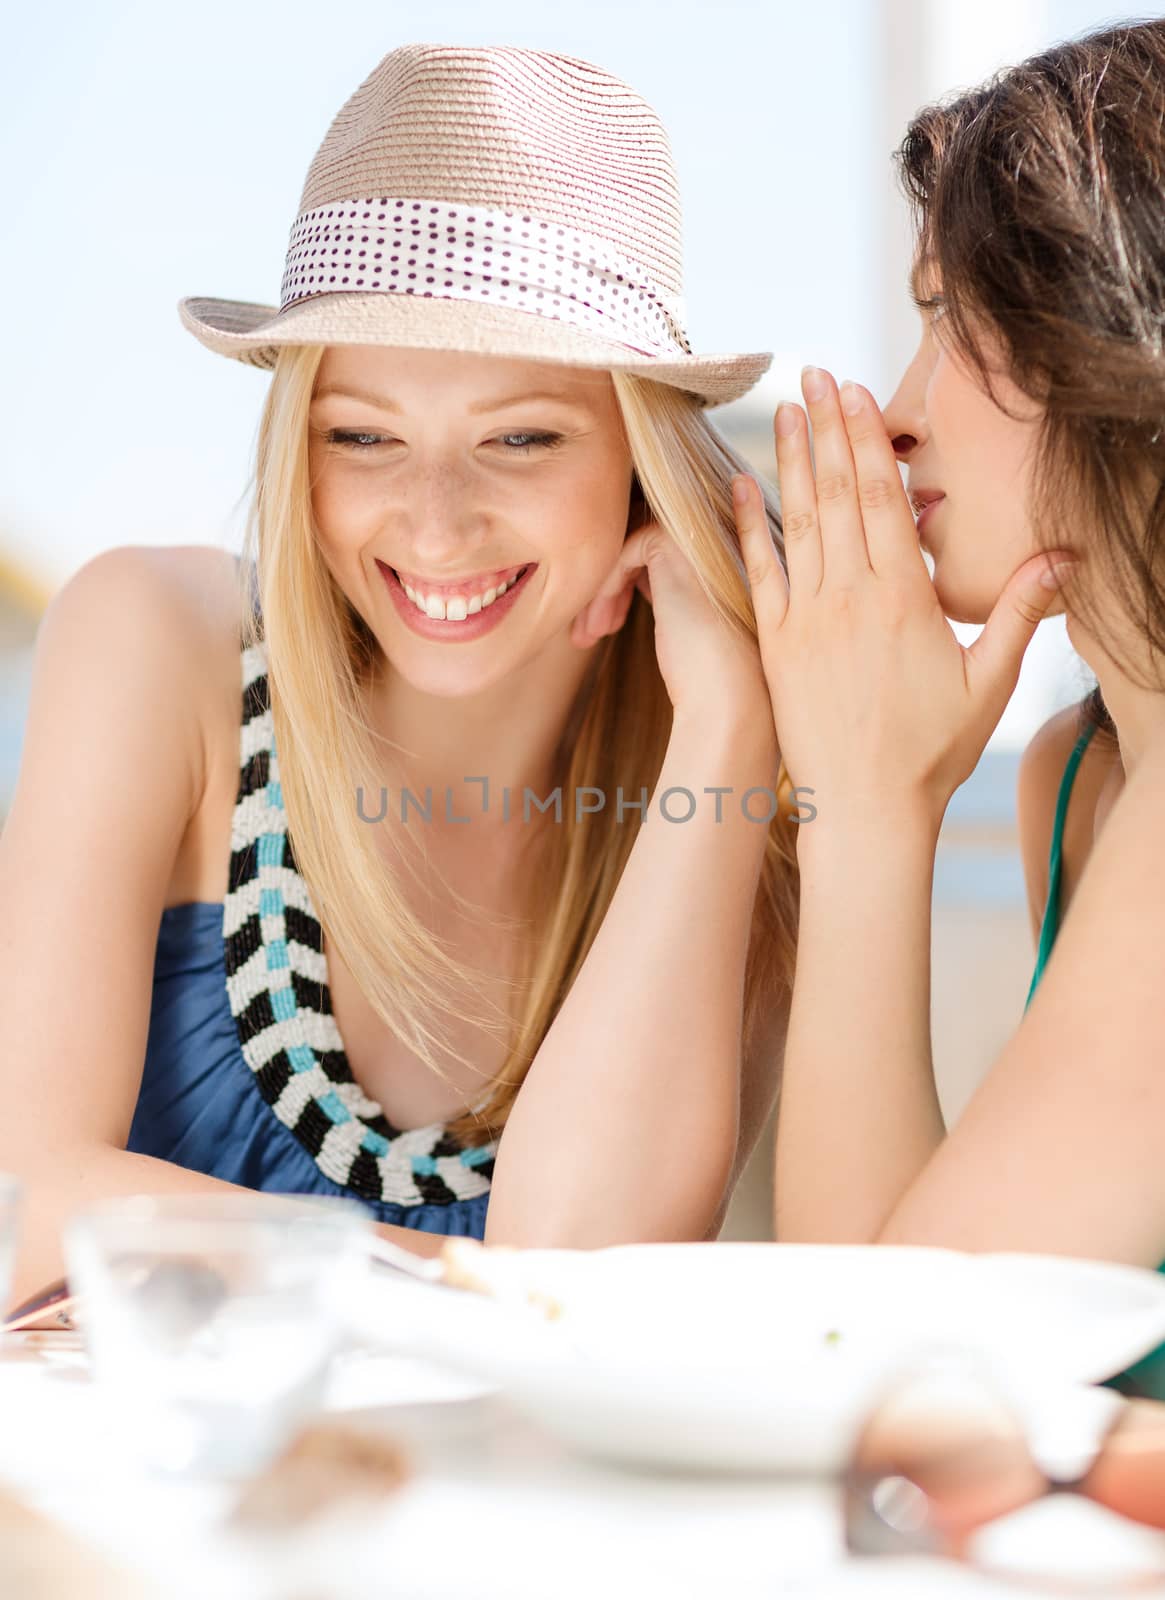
(494, 1507)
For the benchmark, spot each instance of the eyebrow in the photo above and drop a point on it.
(385, 403)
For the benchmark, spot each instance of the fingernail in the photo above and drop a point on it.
(851, 398)
(740, 491)
(813, 383)
(1060, 569)
(786, 418)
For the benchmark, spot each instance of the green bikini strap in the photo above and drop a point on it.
(1050, 925)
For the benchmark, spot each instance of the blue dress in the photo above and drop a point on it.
(245, 1075)
(1147, 1377)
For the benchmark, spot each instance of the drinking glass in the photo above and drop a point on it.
(211, 1321)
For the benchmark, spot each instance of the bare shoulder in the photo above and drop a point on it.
(201, 582)
(1041, 769)
(1043, 761)
(180, 604)
(192, 587)
(1098, 779)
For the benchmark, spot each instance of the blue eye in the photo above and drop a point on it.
(363, 442)
(541, 441)
(354, 441)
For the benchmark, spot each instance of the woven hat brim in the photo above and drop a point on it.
(252, 333)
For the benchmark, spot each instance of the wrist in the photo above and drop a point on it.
(897, 838)
(743, 736)
(892, 816)
(721, 770)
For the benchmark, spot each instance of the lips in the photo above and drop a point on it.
(920, 499)
(455, 631)
(923, 502)
(450, 588)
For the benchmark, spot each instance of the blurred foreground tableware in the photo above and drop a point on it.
(947, 1451)
(40, 1559)
(50, 1310)
(461, 1264)
(10, 1198)
(211, 1321)
(751, 1357)
(329, 1465)
(498, 1271)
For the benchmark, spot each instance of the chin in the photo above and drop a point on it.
(958, 602)
(445, 679)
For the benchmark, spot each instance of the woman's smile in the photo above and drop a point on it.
(463, 613)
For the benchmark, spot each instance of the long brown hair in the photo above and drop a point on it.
(1039, 205)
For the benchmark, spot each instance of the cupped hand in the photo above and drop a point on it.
(877, 704)
(708, 665)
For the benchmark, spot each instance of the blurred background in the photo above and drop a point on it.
(153, 152)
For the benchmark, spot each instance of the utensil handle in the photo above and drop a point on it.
(49, 1310)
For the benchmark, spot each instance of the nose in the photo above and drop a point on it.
(440, 519)
(905, 414)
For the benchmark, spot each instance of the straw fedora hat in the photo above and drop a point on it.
(498, 200)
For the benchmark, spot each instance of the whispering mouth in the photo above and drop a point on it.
(919, 503)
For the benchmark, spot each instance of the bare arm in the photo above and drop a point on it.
(63, 1178)
(859, 1112)
(651, 1026)
(1060, 1148)
(865, 936)
(111, 772)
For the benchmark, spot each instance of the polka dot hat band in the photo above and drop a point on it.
(494, 200)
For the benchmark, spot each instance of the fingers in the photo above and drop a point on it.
(994, 660)
(890, 533)
(798, 501)
(843, 539)
(607, 611)
(762, 566)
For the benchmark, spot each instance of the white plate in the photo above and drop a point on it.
(363, 1379)
(746, 1357)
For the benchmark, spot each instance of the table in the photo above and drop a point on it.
(494, 1507)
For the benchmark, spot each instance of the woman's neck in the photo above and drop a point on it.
(1137, 713)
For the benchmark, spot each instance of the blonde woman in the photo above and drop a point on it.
(411, 856)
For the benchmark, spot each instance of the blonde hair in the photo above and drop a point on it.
(320, 653)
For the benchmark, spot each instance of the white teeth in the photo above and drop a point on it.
(457, 609)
